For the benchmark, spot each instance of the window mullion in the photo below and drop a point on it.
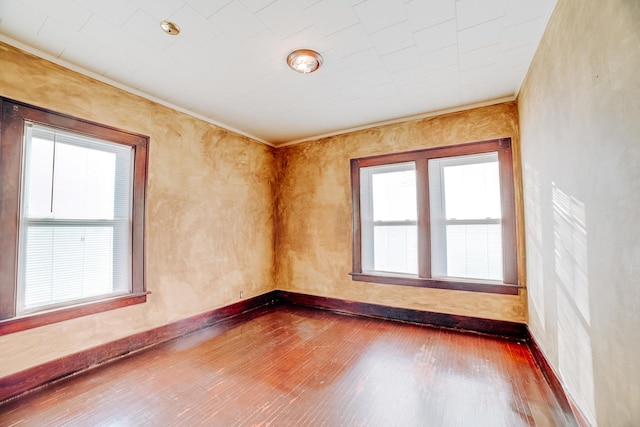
(424, 229)
(507, 197)
(356, 264)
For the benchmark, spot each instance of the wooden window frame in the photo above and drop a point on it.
(508, 286)
(13, 116)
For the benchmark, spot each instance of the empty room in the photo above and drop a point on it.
(259, 212)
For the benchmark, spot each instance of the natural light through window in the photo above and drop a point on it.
(76, 218)
(466, 237)
(442, 217)
(390, 193)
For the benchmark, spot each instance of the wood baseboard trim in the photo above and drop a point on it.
(501, 328)
(38, 376)
(568, 406)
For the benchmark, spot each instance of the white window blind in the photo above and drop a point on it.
(389, 218)
(75, 231)
(465, 216)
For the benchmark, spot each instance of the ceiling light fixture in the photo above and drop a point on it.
(170, 28)
(304, 61)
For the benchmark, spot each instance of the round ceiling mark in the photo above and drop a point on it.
(170, 28)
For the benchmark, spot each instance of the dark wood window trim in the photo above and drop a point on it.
(423, 279)
(13, 115)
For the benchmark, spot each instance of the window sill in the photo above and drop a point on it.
(456, 285)
(35, 320)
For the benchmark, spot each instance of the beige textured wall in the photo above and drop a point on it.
(210, 226)
(580, 133)
(314, 212)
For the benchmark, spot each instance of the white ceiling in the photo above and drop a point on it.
(384, 60)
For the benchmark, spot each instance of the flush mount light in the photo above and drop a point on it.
(170, 28)
(304, 61)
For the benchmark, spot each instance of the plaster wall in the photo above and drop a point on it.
(314, 212)
(579, 123)
(209, 220)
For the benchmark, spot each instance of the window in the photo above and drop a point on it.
(71, 217)
(441, 218)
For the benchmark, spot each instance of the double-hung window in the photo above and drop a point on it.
(441, 217)
(71, 217)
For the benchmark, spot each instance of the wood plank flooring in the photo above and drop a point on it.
(294, 366)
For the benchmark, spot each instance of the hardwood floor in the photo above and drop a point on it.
(295, 366)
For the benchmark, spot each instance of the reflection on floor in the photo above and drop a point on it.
(294, 366)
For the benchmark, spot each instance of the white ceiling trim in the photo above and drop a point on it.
(125, 88)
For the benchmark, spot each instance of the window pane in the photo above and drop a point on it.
(84, 183)
(394, 195)
(472, 191)
(388, 218)
(86, 178)
(396, 249)
(40, 173)
(474, 251)
(75, 239)
(466, 229)
(65, 263)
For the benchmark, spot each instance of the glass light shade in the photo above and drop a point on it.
(304, 61)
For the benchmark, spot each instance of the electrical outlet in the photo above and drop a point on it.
(241, 292)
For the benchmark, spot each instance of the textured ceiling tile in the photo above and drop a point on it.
(13, 24)
(149, 80)
(115, 11)
(386, 91)
(473, 12)
(478, 76)
(402, 59)
(509, 78)
(235, 20)
(225, 48)
(436, 37)
(445, 95)
(445, 75)
(66, 12)
(310, 38)
(262, 47)
(256, 5)
(427, 13)
(188, 53)
(477, 93)
(440, 58)
(481, 35)
(479, 57)
(122, 69)
(331, 16)
(159, 9)
(365, 60)
(229, 67)
(396, 37)
(520, 55)
(208, 7)
(521, 34)
(520, 11)
(106, 58)
(350, 40)
(147, 29)
(378, 14)
(76, 48)
(409, 76)
(194, 26)
(284, 18)
(108, 34)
